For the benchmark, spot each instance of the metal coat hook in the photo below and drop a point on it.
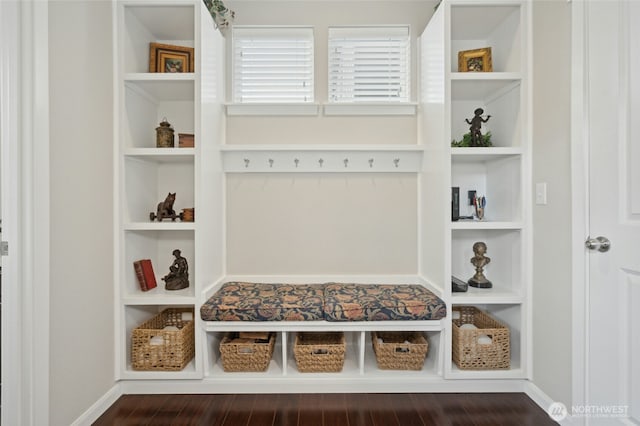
(370, 162)
(246, 162)
(346, 162)
(321, 161)
(295, 160)
(270, 162)
(396, 161)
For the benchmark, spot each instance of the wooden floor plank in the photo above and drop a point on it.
(216, 410)
(240, 410)
(479, 409)
(334, 410)
(358, 411)
(263, 411)
(310, 413)
(405, 411)
(382, 411)
(287, 407)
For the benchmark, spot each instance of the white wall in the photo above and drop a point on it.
(322, 224)
(328, 224)
(81, 301)
(552, 223)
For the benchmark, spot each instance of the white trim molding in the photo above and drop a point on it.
(579, 200)
(10, 201)
(99, 407)
(25, 210)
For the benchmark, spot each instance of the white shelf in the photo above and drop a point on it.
(512, 373)
(160, 77)
(369, 109)
(159, 88)
(318, 326)
(165, 225)
(189, 372)
(257, 109)
(162, 155)
(475, 296)
(160, 296)
(499, 78)
(482, 155)
(485, 225)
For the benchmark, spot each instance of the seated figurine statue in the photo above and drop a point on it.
(178, 276)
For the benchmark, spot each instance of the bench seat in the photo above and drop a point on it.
(242, 301)
(334, 302)
(381, 302)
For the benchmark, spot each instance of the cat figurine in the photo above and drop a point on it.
(165, 208)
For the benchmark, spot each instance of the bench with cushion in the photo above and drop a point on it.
(334, 302)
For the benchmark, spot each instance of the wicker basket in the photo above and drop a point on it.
(399, 350)
(246, 354)
(154, 348)
(484, 348)
(319, 352)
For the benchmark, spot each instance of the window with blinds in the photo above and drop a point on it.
(273, 64)
(369, 64)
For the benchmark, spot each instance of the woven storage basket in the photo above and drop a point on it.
(468, 352)
(153, 348)
(246, 356)
(399, 350)
(319, 352)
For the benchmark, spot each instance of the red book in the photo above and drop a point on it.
(144, 272)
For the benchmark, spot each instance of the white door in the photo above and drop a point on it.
(613, 293)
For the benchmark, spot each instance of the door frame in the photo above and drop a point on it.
(579, 203)
(9, 168)
(25, 208)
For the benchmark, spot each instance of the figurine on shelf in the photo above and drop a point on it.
(476, 127)
(178, 276)
(165, 209)
(165, 134)
(479, 260)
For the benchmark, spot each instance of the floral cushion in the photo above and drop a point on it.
(381, 302)
(238, 301)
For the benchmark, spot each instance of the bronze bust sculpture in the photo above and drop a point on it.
(479, 260)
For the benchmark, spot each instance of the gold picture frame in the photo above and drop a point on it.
(168, 58)
(476, 60)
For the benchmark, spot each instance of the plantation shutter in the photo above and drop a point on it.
(369, 64)
(273, 64)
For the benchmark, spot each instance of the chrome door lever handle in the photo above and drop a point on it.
(601, 244)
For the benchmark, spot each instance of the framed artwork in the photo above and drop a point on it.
(170, 59)
(476, 60)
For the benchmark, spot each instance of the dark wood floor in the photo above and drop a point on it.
(490, 409)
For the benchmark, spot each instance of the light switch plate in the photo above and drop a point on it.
(541, 193)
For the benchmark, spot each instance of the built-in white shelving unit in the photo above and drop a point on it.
(501, 173)
(194, 103)
(145, 174)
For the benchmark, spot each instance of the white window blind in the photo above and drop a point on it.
(369, 64)
(273, 64)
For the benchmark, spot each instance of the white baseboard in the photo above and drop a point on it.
(99, 407)
(544, 401)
